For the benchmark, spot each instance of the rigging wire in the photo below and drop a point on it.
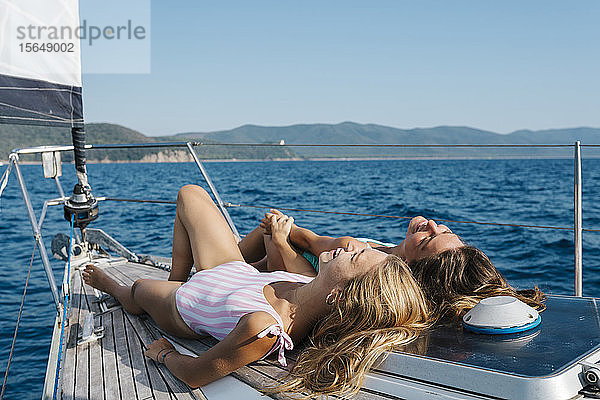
(136, 200)
(12, 347)
(4, 179)
(228, 205)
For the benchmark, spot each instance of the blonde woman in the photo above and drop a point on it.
(363, 302)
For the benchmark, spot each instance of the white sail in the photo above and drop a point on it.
(40, 63)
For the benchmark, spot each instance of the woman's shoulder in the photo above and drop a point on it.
(256, 322)
(374, 243)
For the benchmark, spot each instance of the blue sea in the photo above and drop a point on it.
(530, 192)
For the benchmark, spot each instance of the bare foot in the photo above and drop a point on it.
(95, 277)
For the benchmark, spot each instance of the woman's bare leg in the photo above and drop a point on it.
(261, 265)
(157, 298)
(252, 246)
(182, 260)
(95, 277)
(201, 235)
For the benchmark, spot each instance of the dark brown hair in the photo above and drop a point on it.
(455, 280)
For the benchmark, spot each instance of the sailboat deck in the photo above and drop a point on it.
(445, 363)
(114, 366)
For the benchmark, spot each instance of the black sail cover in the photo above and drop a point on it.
(40, 63)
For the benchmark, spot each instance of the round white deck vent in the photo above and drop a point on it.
(501, 315)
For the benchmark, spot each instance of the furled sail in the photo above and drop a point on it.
(40, 63)
(40, 80)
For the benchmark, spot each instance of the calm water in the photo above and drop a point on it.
(537, 192)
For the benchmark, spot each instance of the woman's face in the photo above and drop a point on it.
(424, 238)
(341, 265)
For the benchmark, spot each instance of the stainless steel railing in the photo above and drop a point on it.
(578, 234)
(14, 159)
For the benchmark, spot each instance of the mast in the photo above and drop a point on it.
(82, 206)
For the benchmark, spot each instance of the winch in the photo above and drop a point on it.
(82, 205)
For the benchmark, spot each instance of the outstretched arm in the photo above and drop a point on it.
(239, 348)
(306, 239)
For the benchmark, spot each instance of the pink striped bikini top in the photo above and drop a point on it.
(213, 301)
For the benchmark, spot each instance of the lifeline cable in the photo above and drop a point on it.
(66, 301)
(406, 145)
(12, 347)
(401, 217)
(227, 205)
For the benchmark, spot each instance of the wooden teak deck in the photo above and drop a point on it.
(114, 367)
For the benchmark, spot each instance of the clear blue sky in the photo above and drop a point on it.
(496, 65)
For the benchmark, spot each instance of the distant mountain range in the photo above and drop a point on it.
(353, 133)
(19, 136)
(14, 136)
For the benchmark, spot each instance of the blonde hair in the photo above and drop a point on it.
(373, 313)
(456, 280)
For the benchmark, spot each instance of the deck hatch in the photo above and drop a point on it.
(500, 365)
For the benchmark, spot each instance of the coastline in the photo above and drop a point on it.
(237, 160)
